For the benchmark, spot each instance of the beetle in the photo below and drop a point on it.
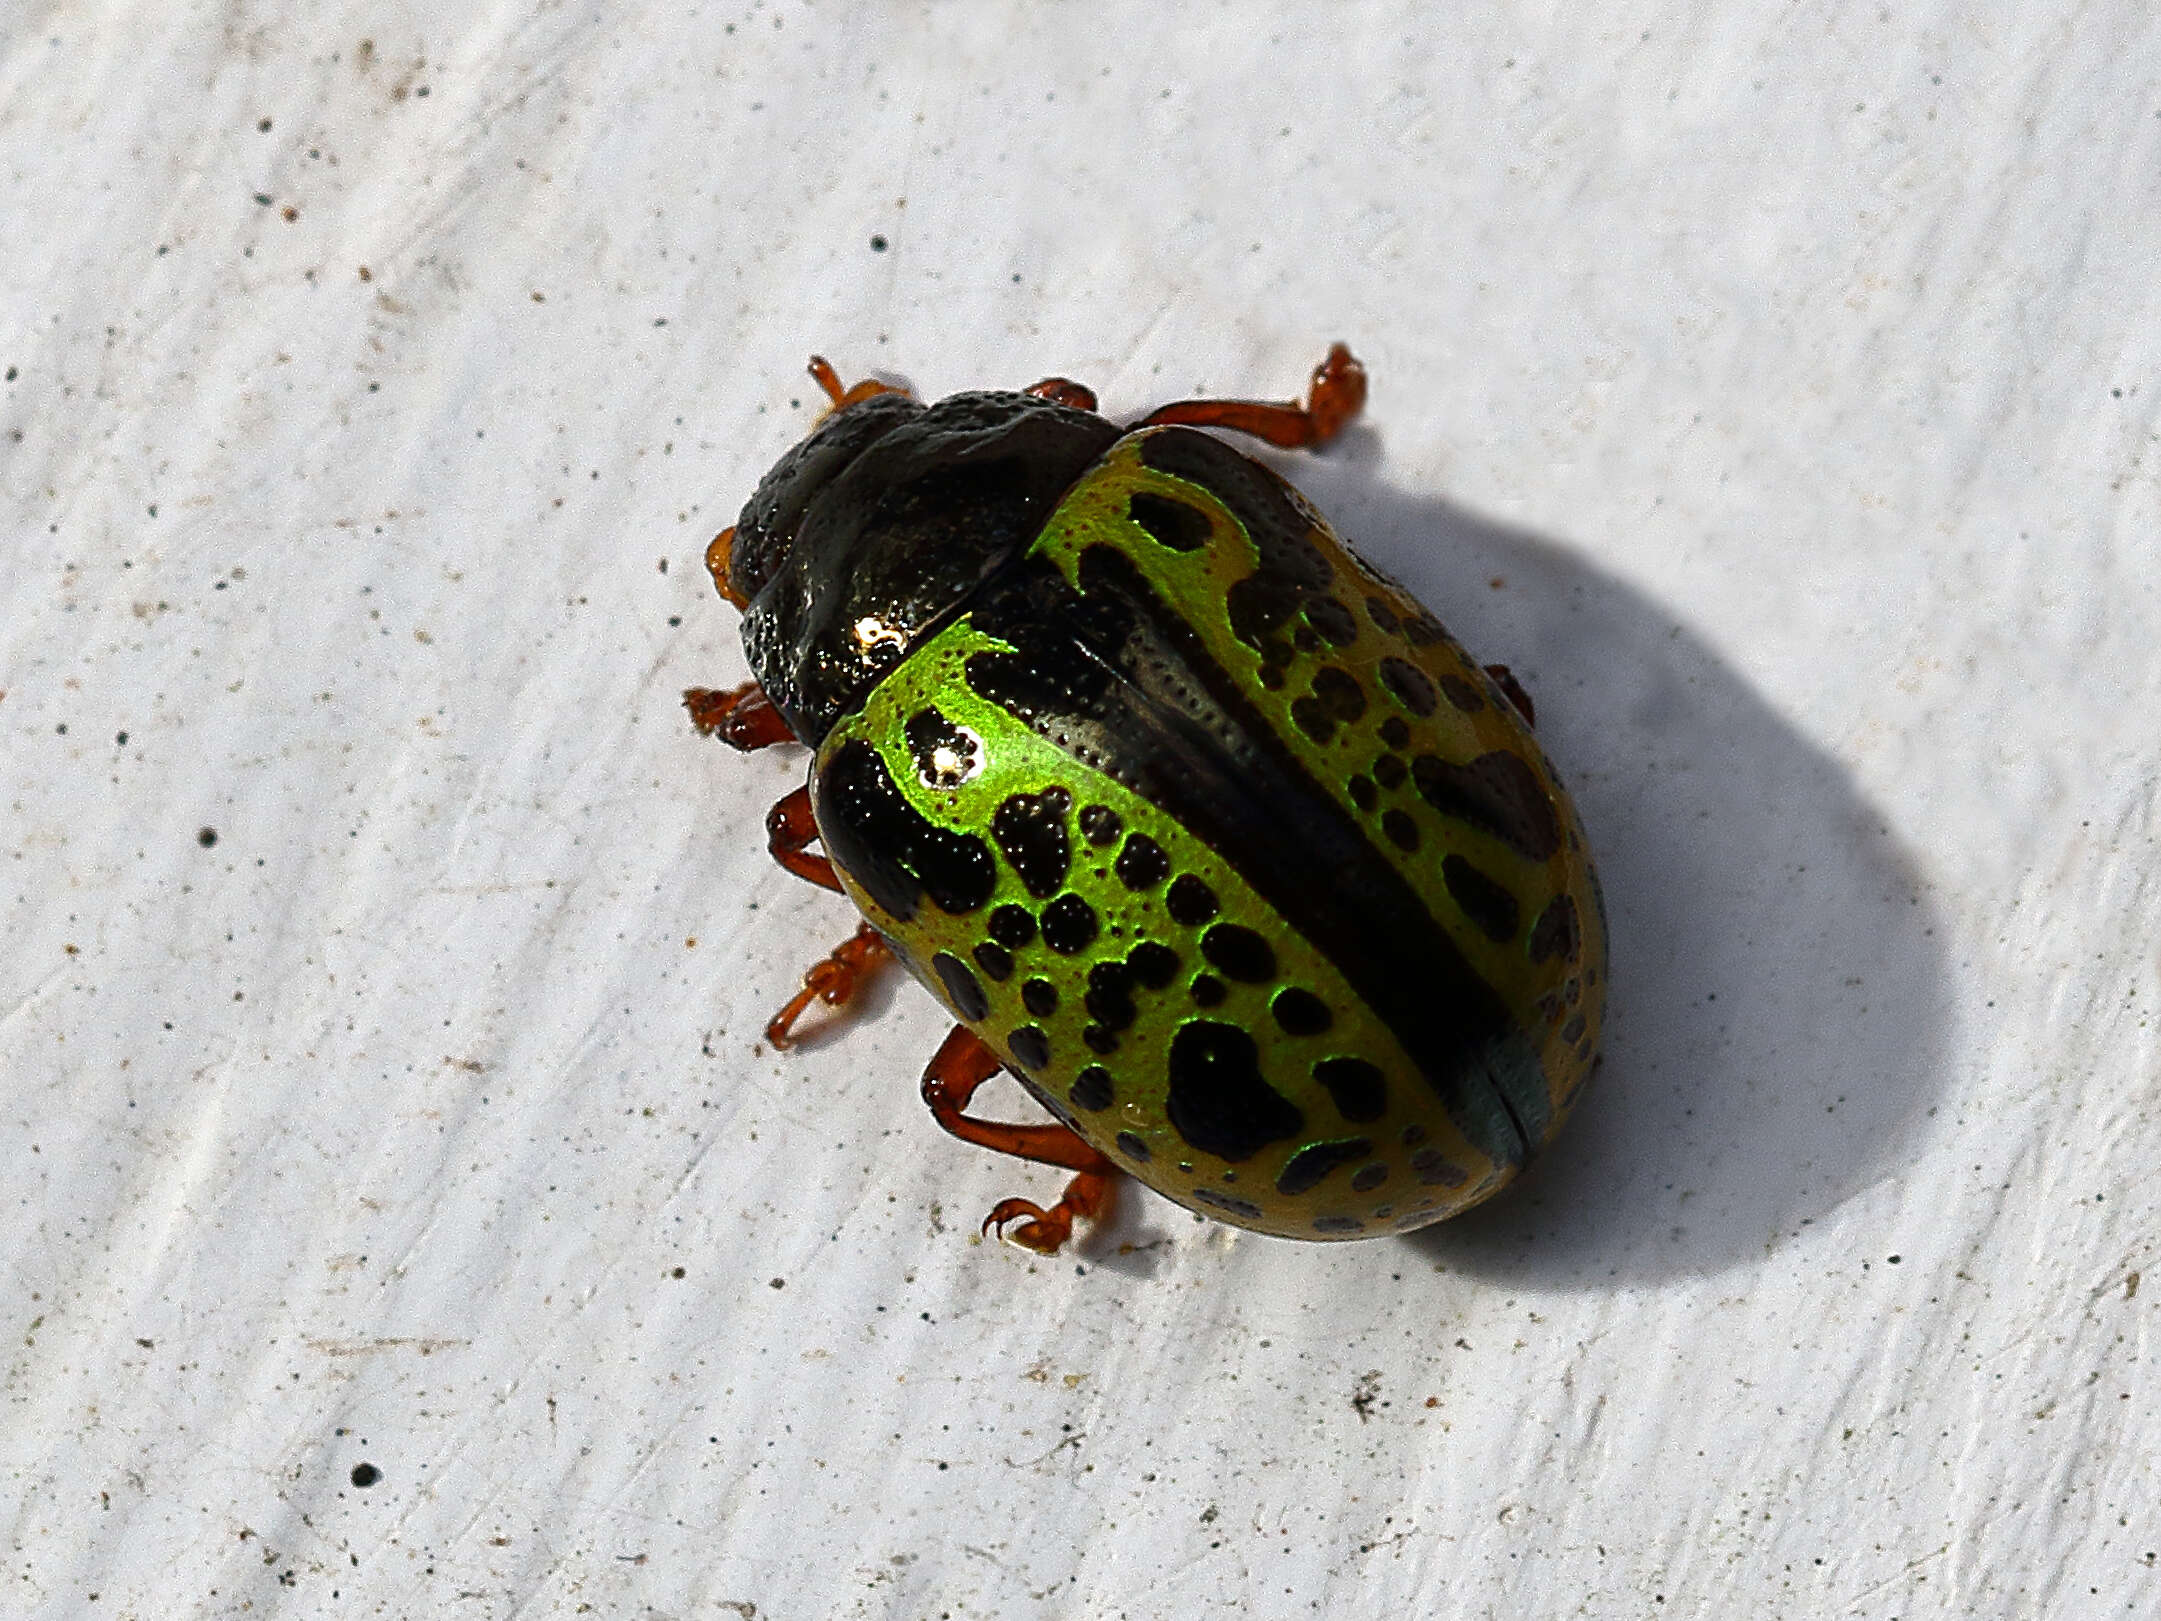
(1201, 827)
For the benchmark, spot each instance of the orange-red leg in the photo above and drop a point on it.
(1066, 392)
(832, 981)
(1338, 391)
(742, 717)
(790, 831)
(844, 396)
(1512, 689)
(718, 551)
(961, 1065)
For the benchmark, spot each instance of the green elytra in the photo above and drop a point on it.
(1191, 1014)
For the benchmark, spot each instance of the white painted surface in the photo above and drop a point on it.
(1790, 370)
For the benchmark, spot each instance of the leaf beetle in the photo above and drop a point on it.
(1200, 826)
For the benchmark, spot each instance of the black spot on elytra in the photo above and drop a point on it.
(1238, 953)
(1030, 829)
(1100, 1039)
(1573, 1030)
(1556, 934)
(1332, 620)
(1383, 617)
(1389, 771)
(929, 736)
(1030, 1047)
(1338, 1224)
(1499, 793)
(1359, 1092)
(967, 994)
(1436, 1170)
(1229, 1203)
(1153, 965)
(1484, 902)
(1395, 732)
(1181, 527)
(888, 846)
(1218, 1100)
(1110, 996)
(1141, 864)
(1132, 1147)
(1309, 1167)
(1092, 1090)
(1339, 692)
(1300, 1012)
(1462, 695)
(1012, 927)
(1190, 901)
(1258, 606)
(1370, 1177)
(1363, 794)
(1413, 688)
(994, 960)
(1310, 716)
(1069, 925)
(1208, 991)
(1039, 997)
(1401, 830)
(1100, 825)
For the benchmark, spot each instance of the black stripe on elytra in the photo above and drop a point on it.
(1117, 679)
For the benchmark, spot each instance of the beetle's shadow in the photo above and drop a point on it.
(1779, 996)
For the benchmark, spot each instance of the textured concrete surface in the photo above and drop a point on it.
(402, 1215)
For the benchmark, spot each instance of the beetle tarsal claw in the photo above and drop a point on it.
(1044, 1231)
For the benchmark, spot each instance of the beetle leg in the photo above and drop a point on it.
(1339, 389)
(832, 981)
(717, 552)
(744, 717)
(790, 831)
(1512, 690)
(961, 1065)
(842, 397)
(1065, 391)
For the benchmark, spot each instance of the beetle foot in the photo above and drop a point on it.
(741, 717)
(832, 982)
(1045, 1231)
(1337, 394)
(845, 396)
